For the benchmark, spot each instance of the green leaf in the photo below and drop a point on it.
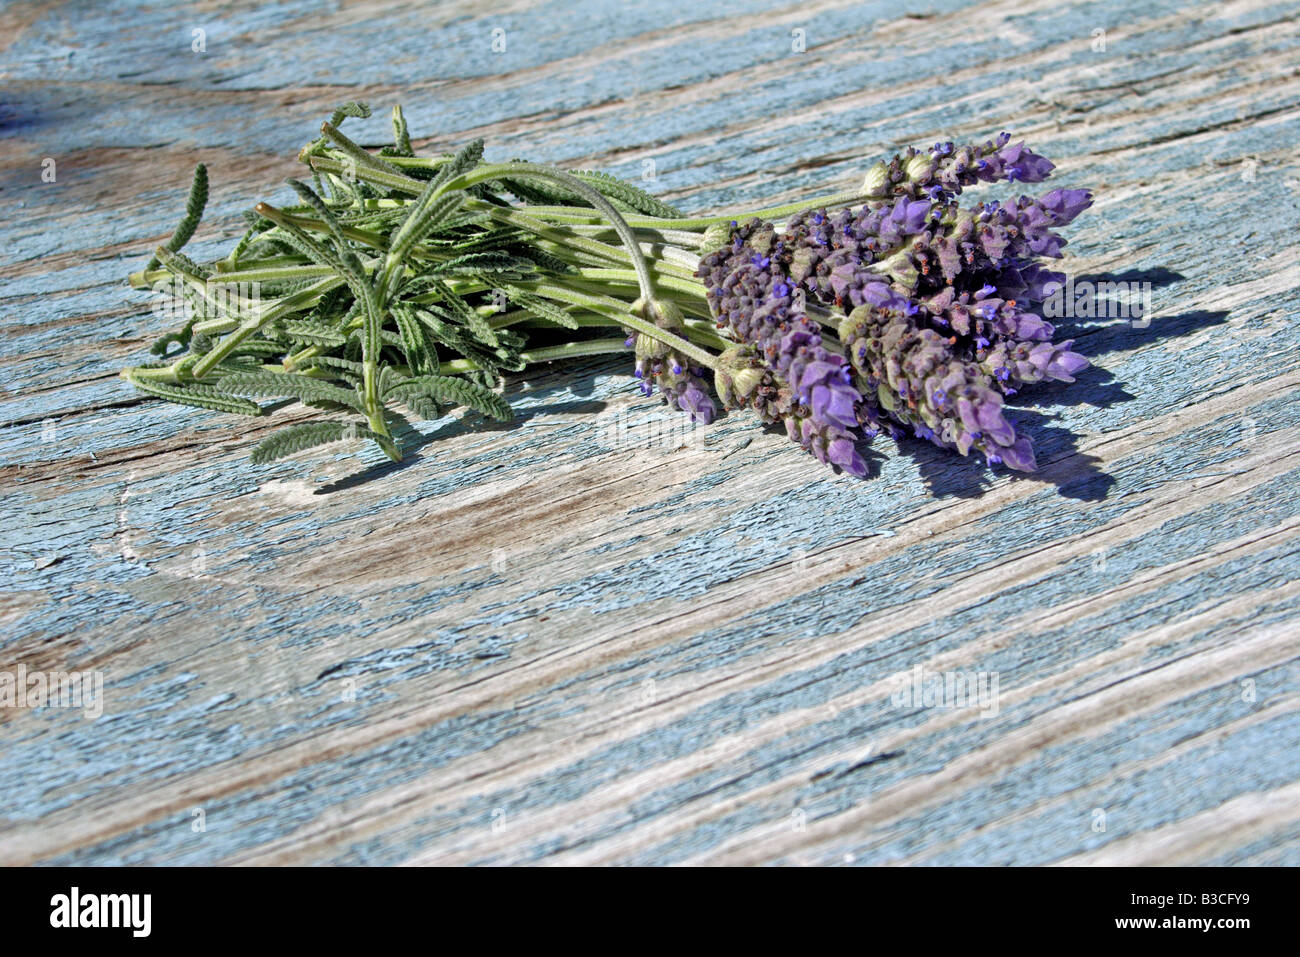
(258, 347)
(312, 334)
(291, 234)
(542, 192)
(482, 329)
(421, 354)
(178, 264)
(386, 338)
(621, 193)
(450, 389)
(401, 133)
(197, 394)
(350, 108)
(545, 261)
(343, 368)
(434, 205)
(461, 220)
(453, 336)
(423, 406)
(306, 435)
(424, 220)
(465, 159)
(611, 187)
(281, 384)
(181, 337)
(485, 263)
(347, 264)
(438, 321)
(327, 216)
(541, 308)
(194, 206)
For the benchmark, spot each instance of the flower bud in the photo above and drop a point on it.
(746, 382)
(668, 316)
(919, 168)
(738, 376)
(876, 181)
(715, 237)
(900, 267)
(853, 325)
(650, 350)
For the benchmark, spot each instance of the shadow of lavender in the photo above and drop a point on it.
(1076, 474)
(415, 440)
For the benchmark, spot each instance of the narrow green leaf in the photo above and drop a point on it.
(312, 334)
(611, 187)
(197, 394)
(351, 108)
(450, 389)
(541, 308)
(423, 406)
(287, 384)
(423, 221)
(326, 214)
(486, 263)
(194, 206)
(306, 435)
(345, 369)
(401, 133)
(421, 354)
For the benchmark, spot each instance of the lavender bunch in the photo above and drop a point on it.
(912, 375)
(907, 375)
(416, 281)
(974, 273)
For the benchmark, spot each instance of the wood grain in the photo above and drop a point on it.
(533, 644)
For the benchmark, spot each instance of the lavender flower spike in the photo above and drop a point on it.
(678, 381)
(919, 382)
(752, 296)
(943, 171)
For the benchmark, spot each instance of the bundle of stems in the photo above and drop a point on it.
(398, 281)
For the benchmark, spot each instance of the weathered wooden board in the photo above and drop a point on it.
(534, 644)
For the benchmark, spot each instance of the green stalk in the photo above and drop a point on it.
(294, 303)
(575, 216)
(628, 277)
(619, 310)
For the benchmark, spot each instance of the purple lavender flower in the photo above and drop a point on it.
(972, 272)
(1020, 165)
(678, 381)
(919, 382)
(1066, 204)
(941, 300)
(685, 388)
(1027, 363)
(751, 296)
(906, 372)
(943, 171)
(922, 385)
(693, 397)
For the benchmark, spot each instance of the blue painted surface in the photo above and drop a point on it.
(502, 644)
